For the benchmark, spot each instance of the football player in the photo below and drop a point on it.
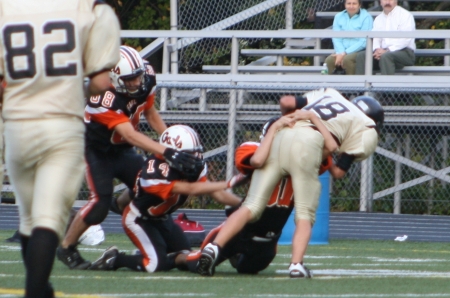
(159, 191)
(46, 50)
(298, 152)
(254, 248)
(112, 121)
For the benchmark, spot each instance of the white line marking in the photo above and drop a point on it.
(10, 262)
(372, 273)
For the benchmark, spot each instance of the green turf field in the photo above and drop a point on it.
(341, 269)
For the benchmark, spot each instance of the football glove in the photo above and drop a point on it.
(181, 161)
(238, 180)
(192, 175)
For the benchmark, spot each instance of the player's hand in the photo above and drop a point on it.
(237, 180)
(181, 161)
(287, 120)
(302, 115)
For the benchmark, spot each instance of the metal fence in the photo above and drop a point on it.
(407, 174)
(237, 15)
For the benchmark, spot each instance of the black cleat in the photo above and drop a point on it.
(207, 260)
(106, 260)
(72, 258)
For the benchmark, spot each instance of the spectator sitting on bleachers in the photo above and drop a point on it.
(353, 18)
(390, 54)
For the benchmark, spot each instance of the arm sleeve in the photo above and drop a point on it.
(338, 42)
(102, 47)
(377, 27)
(406, 23)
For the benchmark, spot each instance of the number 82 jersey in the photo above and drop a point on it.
(47, 48)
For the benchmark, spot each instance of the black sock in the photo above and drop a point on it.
(39, 262)
(134, 262)
(24, 244)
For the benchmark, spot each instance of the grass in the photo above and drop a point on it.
(341, 269)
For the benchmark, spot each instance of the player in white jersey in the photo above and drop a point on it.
(47, 48)
(297, 152)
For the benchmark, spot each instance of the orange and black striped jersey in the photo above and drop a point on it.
(104, 112)
(154, 196)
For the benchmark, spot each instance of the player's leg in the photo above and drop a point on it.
(126, 167)
(59, 172)
(256, 256)
(2, 144)
(305, 155)
(190, 260)
(99, 177)
(178, 245)
(261, 187)
(146, 236)
(21, 176)
(118, 204)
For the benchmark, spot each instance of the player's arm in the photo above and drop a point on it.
(135, 138)
(259, 157)
(154, 120)
(198, 188)
(207, 187)
(342, 165)
(1, 90)
(97, 84)
(226, 198)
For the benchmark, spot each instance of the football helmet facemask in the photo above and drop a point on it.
(267, 125)
(130, 67)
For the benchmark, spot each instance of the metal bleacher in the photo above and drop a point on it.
(272, 61)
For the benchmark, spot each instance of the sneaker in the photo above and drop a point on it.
(106, 260)
(14, 238)
(72, 258)
(297, 270)
(205, 265)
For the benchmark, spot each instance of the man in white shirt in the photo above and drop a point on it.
(390, 54)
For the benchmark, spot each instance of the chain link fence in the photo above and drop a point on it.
(408, 173)
(409, 169)
(237, 15)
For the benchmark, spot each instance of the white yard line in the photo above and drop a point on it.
(4, 293)
(372, 273)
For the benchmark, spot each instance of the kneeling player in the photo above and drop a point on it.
(159, 191)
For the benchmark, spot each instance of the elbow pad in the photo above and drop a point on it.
(345, 161)
(300, 102)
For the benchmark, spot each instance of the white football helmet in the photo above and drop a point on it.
(129, 66)
(94, 235)
(182, 138)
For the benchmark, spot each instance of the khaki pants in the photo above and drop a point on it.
(45, 161)
(349, 63)
(388, 63)
(296, 152)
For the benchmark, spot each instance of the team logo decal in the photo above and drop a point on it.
(167, 139)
